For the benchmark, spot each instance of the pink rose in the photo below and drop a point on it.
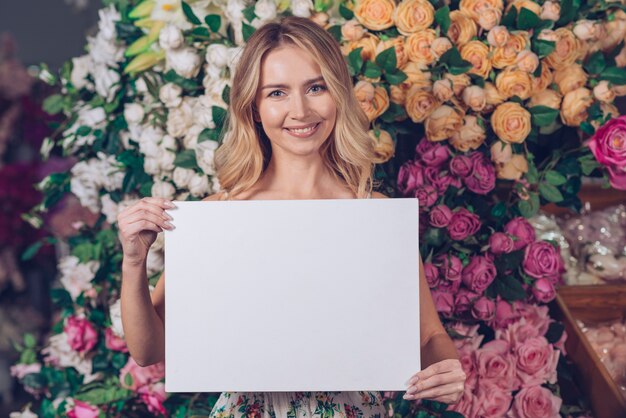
(536, 362)
(463, 301)
(482, 180)
(543, 260)
(506, 313)
(449, 286)
(496, 367)
(493, 403)
(483, 309)
(608, 145)
(141, 376)
(427, 195)
(518, 332)
(81, 335)
(440, 216)
(83, 410)
(467, 405)
(153, 396)
(461, 166)
(439, 179)
(468, 363)
(536, 316)
(500, 243)
(463, 224)
(522, 232)
(543, 290)
(479, 274)
(410, 177)
(435, 155)
(444, 303)
(113, 342)
(450, 266)
(535, 402)
(432, 275)
(469, 339)
(21, 370)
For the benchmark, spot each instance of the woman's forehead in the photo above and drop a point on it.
(288, 63)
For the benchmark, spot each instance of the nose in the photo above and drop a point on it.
(299, 107)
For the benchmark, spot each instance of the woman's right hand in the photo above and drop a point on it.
(139, 225)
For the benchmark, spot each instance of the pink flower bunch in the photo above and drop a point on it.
(83, 410)
(146, 381)
(113, 342)
(81, 334)
(608, 145)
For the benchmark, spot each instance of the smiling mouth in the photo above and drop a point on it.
(303, 130)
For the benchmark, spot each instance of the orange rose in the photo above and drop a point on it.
(442, 89)
(548, 97)
(374, 104)
(375, 14)
(352, 31)
(398, 44)
(474, 8)
(570, 78)
(513, 82)
(615, 33)
(511, 122)
(462, 28)
(369, 43)
(384, 147)
(504, 56)
(544, 80)
(417, 74)
(498, 36)
(364, 91)
(567, 50)
(442, 123)
(527, 4)
(513, 169)
(418, 46)
(470, 136)
(489, 18)
(492, 96)
(575, 105)
(527, 61)
(420, 104)
(440, 45)
(321, 19)
(501, 152)
(398, 93)
(477, 53)
(459, 82)
(474, 97)
(550, 10)
(413, 15)
(603, 92)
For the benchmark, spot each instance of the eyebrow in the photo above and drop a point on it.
(284, 86)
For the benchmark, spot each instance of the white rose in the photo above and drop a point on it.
(105, 51)
(180, 118)
(80, 70)
(27, 413)
(166, 160)
(215, 184)
(170, 94)
(149, 149)
(107, 82)
(133, 113)
(106, 25)
(141, 86)
(234, 14)
(170, 37)
(199, 186)
(184, 61)
(182, 177)
(115, 313)
(91, 116)
(550, 10)
(211, 72)
(76, 277)
(203, 113)
(215, 87)
(59, 353)
(169, 142)
(170, 11)
(217, 55)
(154, 262)
(205, 151)
(190, 140)
(150, 135)
(151, 165)
(301, 8)
(265, 10)
(163, 189)
(110, 174)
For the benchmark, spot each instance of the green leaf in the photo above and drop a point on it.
(29, 340)
(355, 62)
(569, 10)
(336, 32)
(615, 75)
(587, 128)
(527, 19)
(248, 13)
(103, 395)
(128, 379)
(550, 193)
(201, 33)
(451, 414)
(219, 115)
(595, 63)
(543, 115)
(189, 14)
(555, 178)
(542, 47)
(247, 31)
(396, 77)
(53, 104)
(387, 60)
(456, 64)
(186, 83)
(371, 70)
(555, 332)
(509, 288)
(510, 18)
(345, 12)
(529, 208)
(31, 251)
(61, 298)
(587, 165)
(186, 159)
(442, 17)
(214, 22)
(208, 135)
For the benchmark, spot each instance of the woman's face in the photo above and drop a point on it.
(294, 105)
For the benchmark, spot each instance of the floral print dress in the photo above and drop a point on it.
(299, 405)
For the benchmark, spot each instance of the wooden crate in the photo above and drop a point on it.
(592, 304)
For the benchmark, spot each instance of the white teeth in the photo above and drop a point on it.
(302, 131)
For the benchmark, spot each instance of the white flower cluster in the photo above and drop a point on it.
(76, 277)
(89, 177)
(60, 354)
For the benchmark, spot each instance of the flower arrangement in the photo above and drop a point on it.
(505, 94)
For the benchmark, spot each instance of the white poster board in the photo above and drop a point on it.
(292, 295)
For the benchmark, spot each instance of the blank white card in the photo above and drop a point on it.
(292, 295)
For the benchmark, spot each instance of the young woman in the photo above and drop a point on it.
(295, 131)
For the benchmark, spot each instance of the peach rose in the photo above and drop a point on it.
(459, 82)
(397, 94)
(567, 49)
(364, 91)
(413, 15)
(513, 82)
(418, 46)
(504, 56)
(474, 8)
(615, 33)
(587, 30)
(544, 80)
(575, 105)
(442, 89)
(603, 92)
(384, 146)
(420, 104)
(439, 46)
(474, 97)
(375, 14)
(489, 17)
(477, 53)
(368, 42)
(608, 110)
(498, 36)
(492, 96)
(442, 123)
(526, 4)
(550, 10)
(511, 122)
(417, 74)
(398, 43)
(513, 169)
(501, 152)
(548, 97)
(470, 136)
(570, 78)
(462, 28)
(352, 31)
(321, 19)
(527, 61)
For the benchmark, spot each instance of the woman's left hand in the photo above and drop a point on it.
(442, 382)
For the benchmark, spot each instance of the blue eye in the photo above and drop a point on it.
(272, 93)
(320, 86)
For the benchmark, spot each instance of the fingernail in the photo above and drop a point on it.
(169, 204)
(168, 216)
(169, 225)
(407, 397)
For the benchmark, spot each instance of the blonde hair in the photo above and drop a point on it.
(245, 150)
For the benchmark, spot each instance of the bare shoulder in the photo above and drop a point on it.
(215, 196)
(377, 195)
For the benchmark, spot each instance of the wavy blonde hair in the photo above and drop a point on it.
(245, 150)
